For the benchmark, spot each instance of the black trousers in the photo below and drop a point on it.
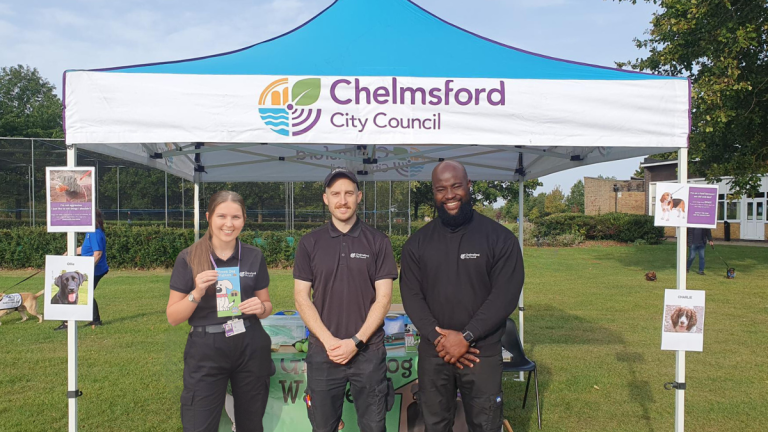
(327, 384)
(480, 388)
(211, 360)
(96, 279)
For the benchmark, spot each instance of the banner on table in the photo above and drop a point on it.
(286, 411)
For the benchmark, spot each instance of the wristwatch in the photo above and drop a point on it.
(469, 337)
(192, 298)
(358, 343)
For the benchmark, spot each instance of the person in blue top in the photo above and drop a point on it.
(95, 245)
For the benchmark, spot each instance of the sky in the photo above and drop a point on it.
(53, 36)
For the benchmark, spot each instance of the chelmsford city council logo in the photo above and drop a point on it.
(284, 109)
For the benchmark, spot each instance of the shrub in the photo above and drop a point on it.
(620, 227)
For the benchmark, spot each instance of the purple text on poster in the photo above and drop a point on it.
(702, 206)
(71, 214)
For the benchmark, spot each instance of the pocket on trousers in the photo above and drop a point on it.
(390, 395)
(187, 397)
(495, 408)
(310, 411)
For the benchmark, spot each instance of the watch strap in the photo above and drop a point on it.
(358, 343)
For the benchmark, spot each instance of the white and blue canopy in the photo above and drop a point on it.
(382, 87)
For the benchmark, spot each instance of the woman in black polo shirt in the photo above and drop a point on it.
(222, 348)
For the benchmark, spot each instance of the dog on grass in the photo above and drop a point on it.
(69, 286)
(668, 204)
(28, 304)
(650, 276)
(683, 319)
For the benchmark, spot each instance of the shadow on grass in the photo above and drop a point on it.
(664, 257)
(552, 325)
(639, 390)
(555, 326)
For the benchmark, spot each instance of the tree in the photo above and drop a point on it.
(28, 105)
(721, 46)
(575, 200)
(555, 201)
(488, 192)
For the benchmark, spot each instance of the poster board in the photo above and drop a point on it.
(68, 288)
(682, 326)
(684, 205)
(69, 198)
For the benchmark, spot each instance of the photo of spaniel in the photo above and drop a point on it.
(683, 319)
(668, 204)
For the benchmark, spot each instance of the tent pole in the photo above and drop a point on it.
(72, 324)
(390, 207)
(520, 235)
(33, 183)
(166, 199)
(197, 206)
(682, 248)
(409, 208)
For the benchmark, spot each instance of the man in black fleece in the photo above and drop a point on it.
(461, 277)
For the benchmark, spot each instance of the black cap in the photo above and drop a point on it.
(340, 172)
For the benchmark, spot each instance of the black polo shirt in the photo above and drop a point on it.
(343, 268)
(253, 277)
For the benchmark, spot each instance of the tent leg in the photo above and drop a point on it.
(520, 234)
(72, 324)
(682, 248)
(197, 206)
(409, 208)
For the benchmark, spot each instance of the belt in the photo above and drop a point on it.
(214, 328)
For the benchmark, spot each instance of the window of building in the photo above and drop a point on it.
(728, 208)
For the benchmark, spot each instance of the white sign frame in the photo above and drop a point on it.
(682, 323)
(52, 176)
(55, 307)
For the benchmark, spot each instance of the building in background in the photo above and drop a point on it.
(609, 195)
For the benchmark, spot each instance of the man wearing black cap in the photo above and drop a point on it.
(461, 277)
(343, 275)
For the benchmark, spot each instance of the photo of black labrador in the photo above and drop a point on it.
(69, 286)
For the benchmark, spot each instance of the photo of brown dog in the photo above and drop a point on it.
(28, 304)
(668, 204)
(683, 319)
(650, 276)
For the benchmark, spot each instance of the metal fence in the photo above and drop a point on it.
(127, 192)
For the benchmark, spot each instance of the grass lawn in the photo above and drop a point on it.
(593, 325)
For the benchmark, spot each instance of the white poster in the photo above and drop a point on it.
(68, 288)
(681, 205)
(682, 327)
(69, 192)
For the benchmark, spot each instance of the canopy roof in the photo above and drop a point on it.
(382, 87)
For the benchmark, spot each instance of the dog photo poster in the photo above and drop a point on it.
(682, 328)
(69, 193)
(68, 288)
(680, 205)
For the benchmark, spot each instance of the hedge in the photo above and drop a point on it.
(131, 247)
(149, 247)
(620, 227)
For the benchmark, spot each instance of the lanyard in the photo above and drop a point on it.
(239, 254)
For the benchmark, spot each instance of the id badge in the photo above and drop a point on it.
(228, 292)
(234, 327)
